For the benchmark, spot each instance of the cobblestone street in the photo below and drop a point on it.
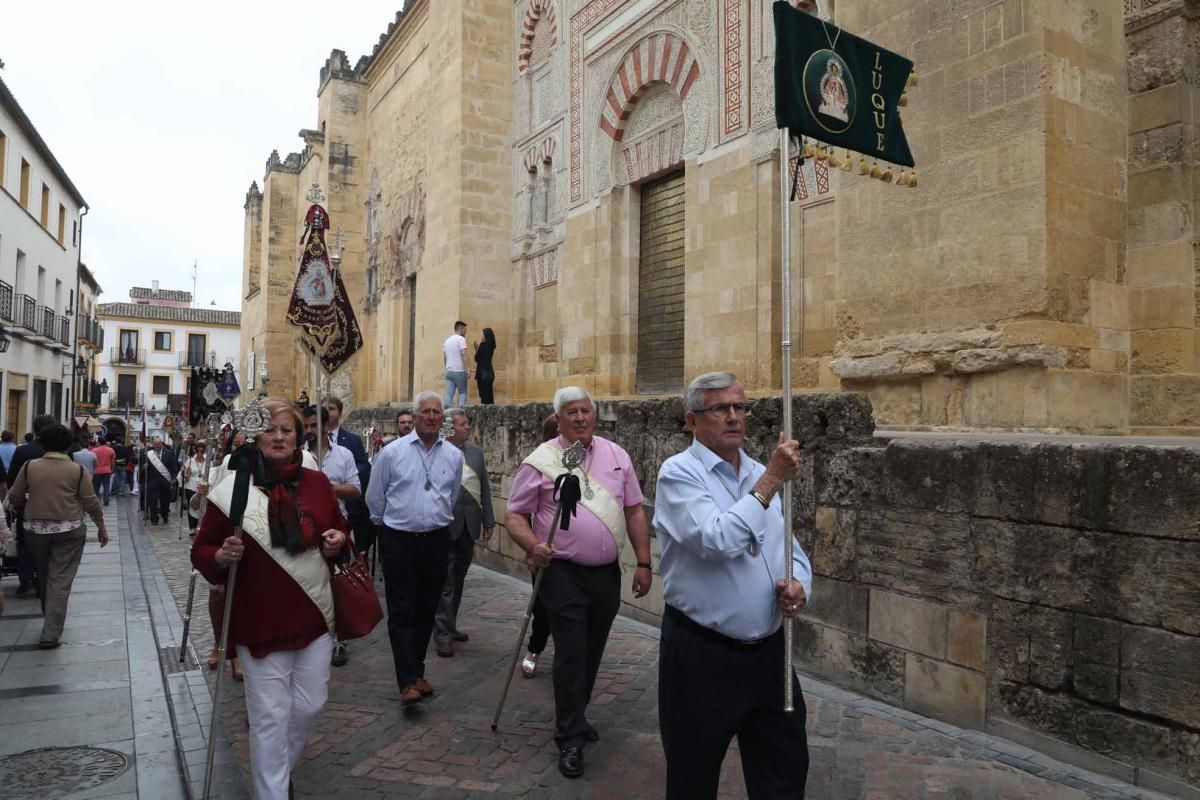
(367, 747)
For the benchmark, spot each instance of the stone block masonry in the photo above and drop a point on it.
(1046, 591)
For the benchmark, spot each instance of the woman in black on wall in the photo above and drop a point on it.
(485, 375)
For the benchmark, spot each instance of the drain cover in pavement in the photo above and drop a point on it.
(55, 771)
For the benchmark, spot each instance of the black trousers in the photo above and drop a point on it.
(539, 633)
(158, 495)
(414, 571)
(711, 689)
(26, 565)
(193, 522)
(582, 603)
(485, 391)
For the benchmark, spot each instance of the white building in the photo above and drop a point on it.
(39, 273)
(152, 344)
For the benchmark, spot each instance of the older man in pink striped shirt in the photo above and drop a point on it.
(582, 585)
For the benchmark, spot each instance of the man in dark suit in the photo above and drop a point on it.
(26, 570)
(473, 519)
(159, 467)
(356, 510)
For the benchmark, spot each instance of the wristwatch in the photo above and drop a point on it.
(759, 497)
(644, 565)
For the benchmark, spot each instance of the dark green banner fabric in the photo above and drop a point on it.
(838, 88)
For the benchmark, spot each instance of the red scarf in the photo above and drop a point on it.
(288, 523)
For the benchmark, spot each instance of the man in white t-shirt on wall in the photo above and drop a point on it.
(454, 352)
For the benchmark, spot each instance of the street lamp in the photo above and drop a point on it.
(4, 340)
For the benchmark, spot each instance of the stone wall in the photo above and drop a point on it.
(1047, 591)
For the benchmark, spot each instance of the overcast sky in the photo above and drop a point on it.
(162, 114)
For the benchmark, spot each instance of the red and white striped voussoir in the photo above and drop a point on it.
(657, 58)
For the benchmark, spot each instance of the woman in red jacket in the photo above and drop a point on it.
(282, 604)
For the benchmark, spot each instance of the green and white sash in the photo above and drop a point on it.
(306, 568)
(547, 459)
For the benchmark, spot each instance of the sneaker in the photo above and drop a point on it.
(339, 654)
(409, 695)
(424, 687)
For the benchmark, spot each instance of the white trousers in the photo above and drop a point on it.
(285, 693)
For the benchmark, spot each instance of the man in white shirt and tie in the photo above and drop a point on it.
(721, 665)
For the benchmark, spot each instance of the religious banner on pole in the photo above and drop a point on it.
(228, 387)
(319, 305)
(842, 90)
(204, 395)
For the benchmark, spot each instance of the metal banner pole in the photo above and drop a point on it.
(187, 617)
(785, 286)
(212, 425)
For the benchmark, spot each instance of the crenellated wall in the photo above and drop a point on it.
(1047, 591)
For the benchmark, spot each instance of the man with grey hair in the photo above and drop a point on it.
(581, 588)
(720, 528)
(415, 485)
(473, 520)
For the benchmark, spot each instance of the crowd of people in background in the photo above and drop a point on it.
(419, 504)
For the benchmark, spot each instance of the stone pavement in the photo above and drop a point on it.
(367, 747)
(100, 698)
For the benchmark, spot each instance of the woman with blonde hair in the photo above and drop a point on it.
(282, 613)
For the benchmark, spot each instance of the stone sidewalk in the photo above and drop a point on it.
(90, 719)
(367, 747)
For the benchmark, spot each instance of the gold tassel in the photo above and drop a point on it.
(863, 169)
(912, 80)
(886, 177)
(876, 172)
(848, 162)
(808, 150)
(912, 179)
(902, 178)
(903, 100)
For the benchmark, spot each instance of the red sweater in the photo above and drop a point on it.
(270, 610)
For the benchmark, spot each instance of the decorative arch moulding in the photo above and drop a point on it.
(540, 154)
(660, 57)
(538, 11)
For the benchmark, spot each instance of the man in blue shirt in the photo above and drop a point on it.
(8, 445)
(414, 486)
(721, 664)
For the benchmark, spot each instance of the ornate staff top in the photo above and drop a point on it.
(447, 429)
(252, 420)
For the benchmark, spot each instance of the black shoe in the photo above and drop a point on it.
(461, 637)
(23, 591)
(570, 762)
(592, 734)
(49, 645)
(339, 654)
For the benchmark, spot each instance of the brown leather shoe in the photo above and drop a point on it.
(424, 688)
(445, 650)
(409, 695)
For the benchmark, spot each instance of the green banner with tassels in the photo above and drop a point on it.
(838, 88)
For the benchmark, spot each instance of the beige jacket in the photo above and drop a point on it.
(55, 488)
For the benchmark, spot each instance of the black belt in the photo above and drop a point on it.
(684, 621)
(434, 532)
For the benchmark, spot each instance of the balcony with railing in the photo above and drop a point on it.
(89, 331)
(127, 356)
(26, 312)
(89, 392)
(6, 301)
(195, 358)
(46, 327)
(118, 401)
(177, 403)
(64, 331)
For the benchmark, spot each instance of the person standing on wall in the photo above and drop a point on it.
(473, 520)
(485, 373)
(454, 354)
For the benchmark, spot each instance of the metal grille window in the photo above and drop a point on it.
(660, 287)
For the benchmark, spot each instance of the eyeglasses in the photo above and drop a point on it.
(725, 409)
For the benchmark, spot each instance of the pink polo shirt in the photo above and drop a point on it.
(588, 540)
(105, 458)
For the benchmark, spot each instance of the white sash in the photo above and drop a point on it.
(156, 462)
(547, 459)
(470, 482)
(307, 568)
